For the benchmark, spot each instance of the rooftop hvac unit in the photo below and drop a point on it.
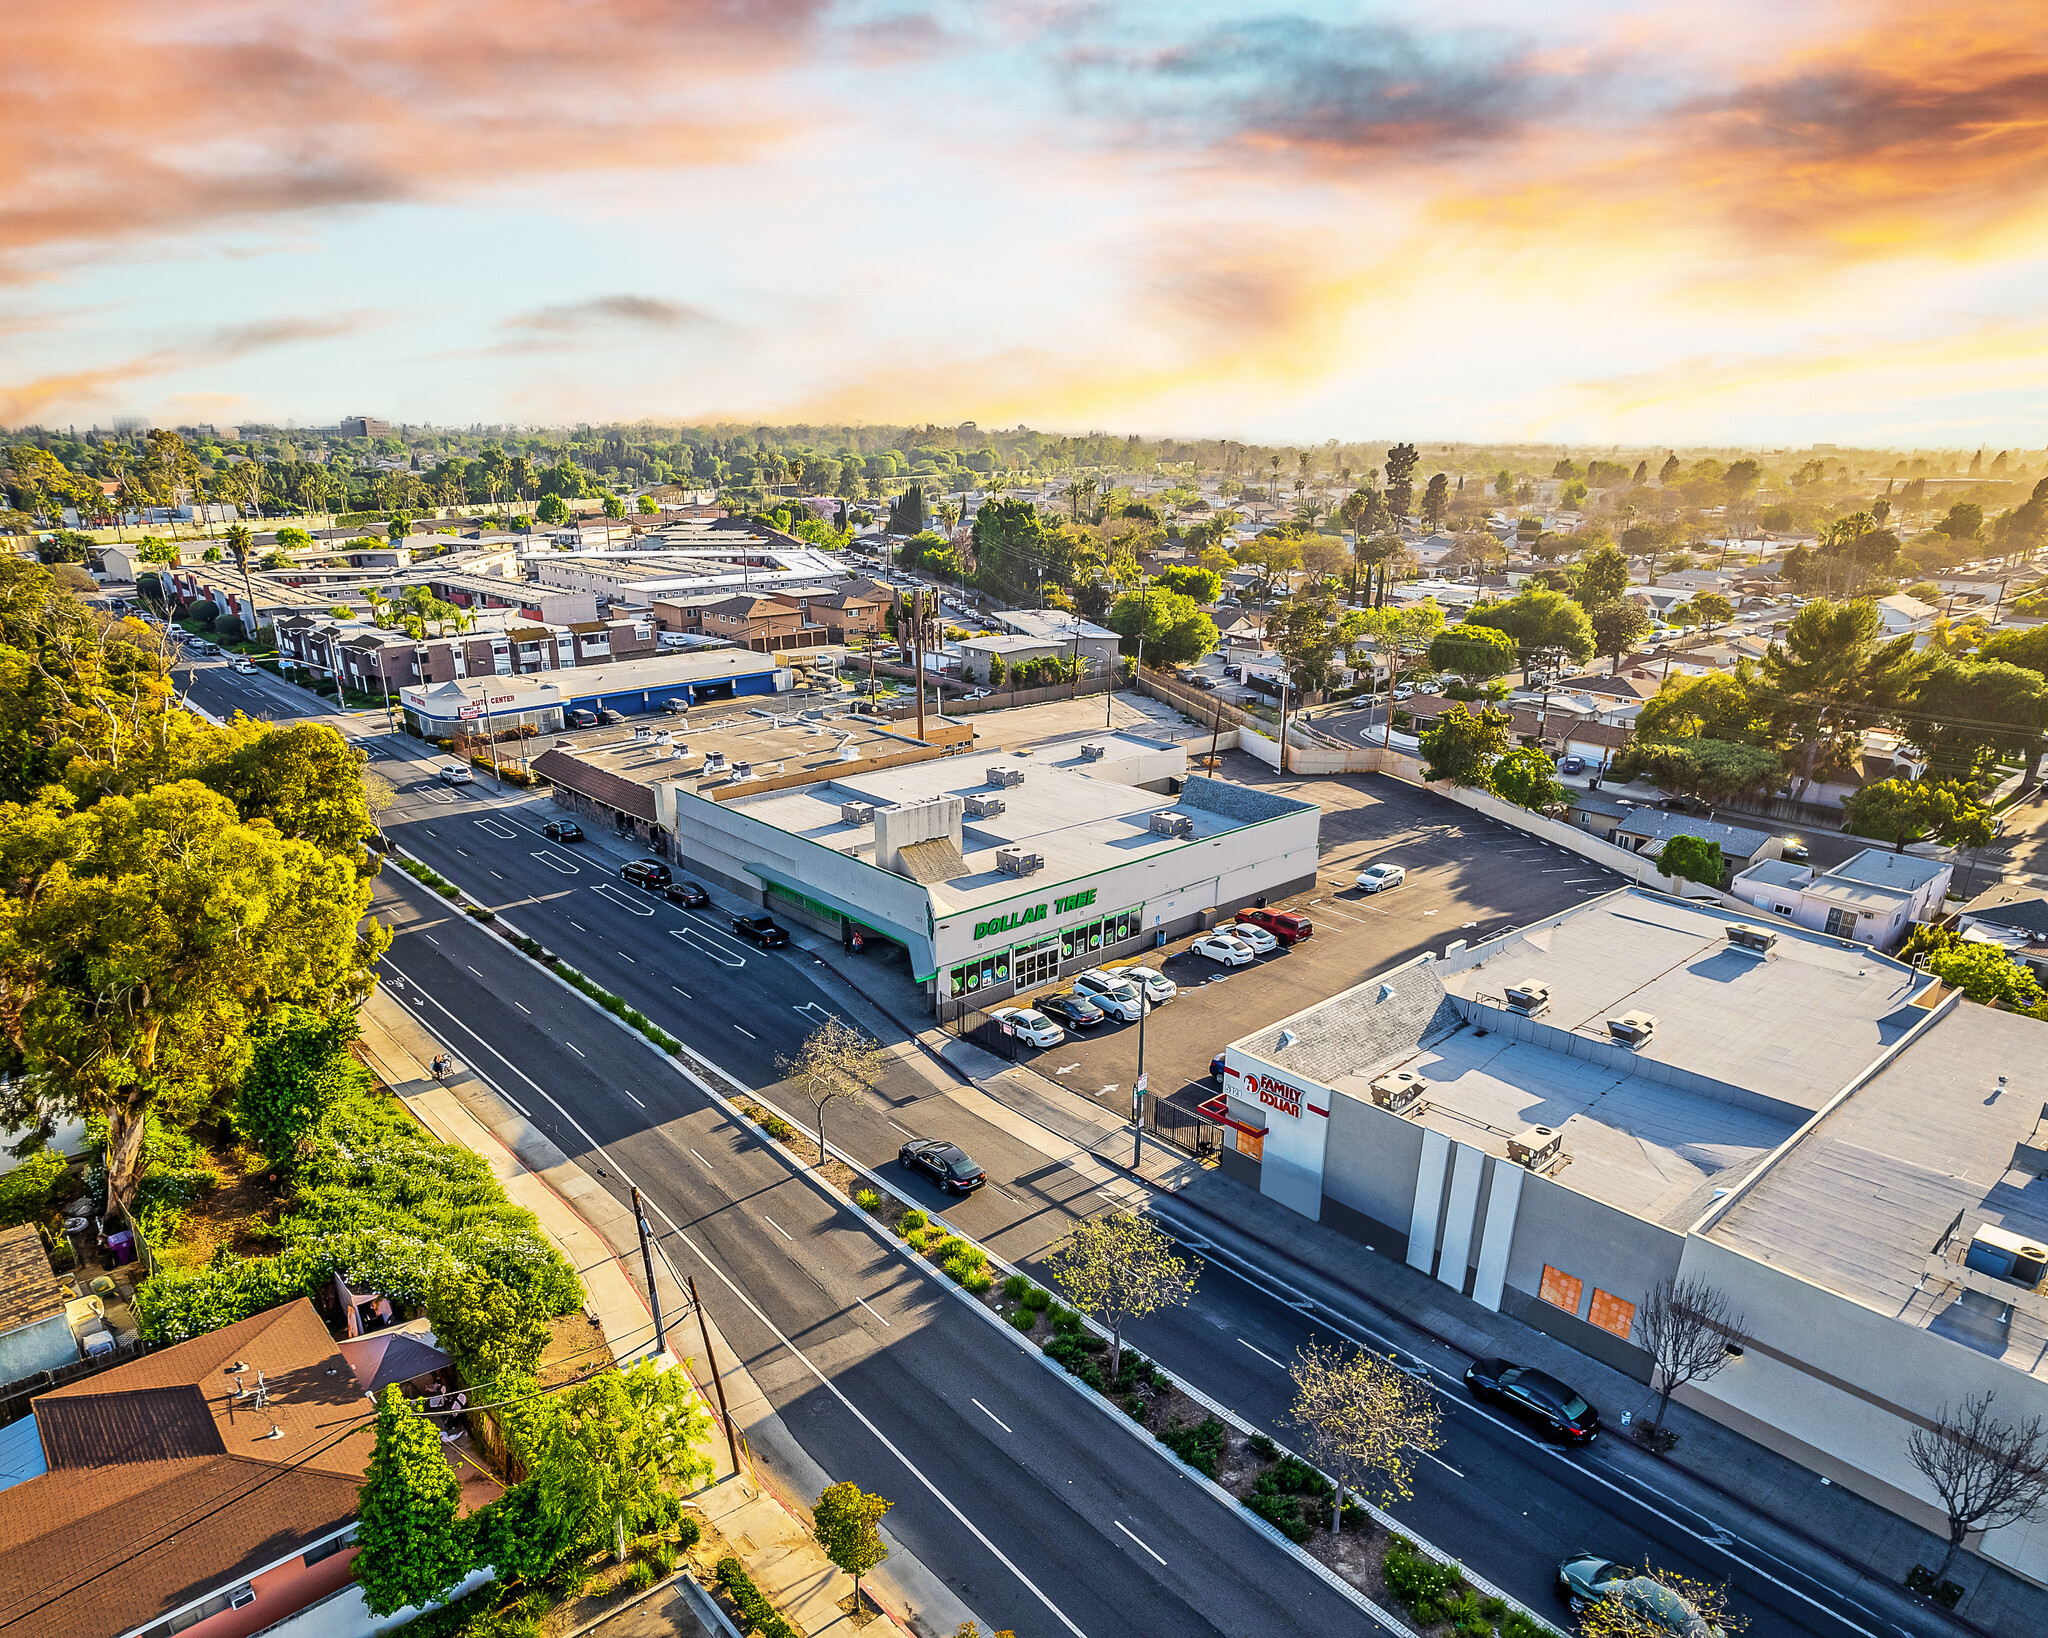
(1092, 753)
(743, 770)
(1757, 941)
(2007, 1256)
(1166, 822)
(1014, 861)
(1002, 778)
(1537, 1148)
(985, 807)
(1528, 998)
(856, 813)
(714, 762)
(1633, 1029)
(1398, 1090)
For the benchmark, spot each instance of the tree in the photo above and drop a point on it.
(835, 1061)
(1527, 778)
(490, 1329)
(1618, 629)
(407, 1526)
(1401, 461)
(1686, 1326)
(239, 541)
(1547, 626)
(305, 779)
(1711, 609)
(1688, 858)
(1363, 1419)
(846, 1520)
(1176, 631)
(1461, 747)
(1968, 712)
(1476, 653)
(1986, 1472)
(1308, 632)
(1714, 770)
(646, 507)
(1602, 578)
(1323, 556)
(1722, 705)
(1117, 1268)
(1986, 974)
(1899, 810)
(1637, 1611)
(1199, 585)
(152, 549)
(1013, 549)
(630, 1436)
(553, 511)
(1436, 500)
(300, 1068)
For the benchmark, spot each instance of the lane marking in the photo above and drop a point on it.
(906, 1131)
(813, 1011)
(500, 878)
(624, 900)
(624, 957)
(459, 850)
(573, 1047)
(573, 922)
(991, 1415)
(685, 994)
(749, 1034)
(864, 1303)
(523, 1008)
(1119, 1523)
(431, 831)
(493, 827)
(778, 1228)
(701, 1160)
(1440, 1462)
(429, 937)
(636, 1102)
(691, 939)
(555, 862)
(472, 969)
(1268, 1358)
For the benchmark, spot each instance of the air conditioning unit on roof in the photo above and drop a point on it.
(856, 813)
(1633, 1029)
(1757, 941)
(1092, 753)
(1528, 998)
(1538, 1147)
(984, 807)
(1014, 861)
(1003, 777)
(1166, 822)
(1398, 1090)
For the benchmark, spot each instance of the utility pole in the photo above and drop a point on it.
(647, 1260)
(1138, 1086)
(1283, 722)
(732, 1440)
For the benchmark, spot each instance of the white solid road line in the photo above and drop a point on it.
(701, 1160)
(864, 1303)
(778, 1228)
(472, 969)
(1119, 1523)
(1268, 1358)
(624, 957)
(991, 1415)
(573, 922)
(523, 1007)
(749, 1034)
(1440, 1462)
(685, 994)
(573, 1047)
(636, 1102)
(906, 1131)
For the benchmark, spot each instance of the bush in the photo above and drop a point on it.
(977, 1280)
(1038, 1298)
(1065, 1319)
(1200, 1444)
(1264, 1448)
(757, 1615)
(912, 1219)
(688, 1532)
(27, 1193)
(1420, 1582)
(868, 1200)
(1289, 1496)
(640, 1577)
(1015, 1286)
(1024, 1319)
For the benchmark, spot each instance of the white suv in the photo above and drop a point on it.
(1112, 992)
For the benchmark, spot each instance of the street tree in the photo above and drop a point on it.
(1364, 1421)
(1687, 1326)
(1711, 609)
(1987, 1473)
(1527, 778)
(1900, 810)
(1693, 860)
(1602, 577)
(1966, 713)
(835, 1061)
(1309, 631)
(846, 1520)
(1476, 653)
(632, 1439)
(407, 1523)
(1462, 747)
(1177, 632)
(1120, 1267)
(1618, 629)
(1547, 626)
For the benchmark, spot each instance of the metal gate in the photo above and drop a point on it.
(990, 1034)
(1182, 1127)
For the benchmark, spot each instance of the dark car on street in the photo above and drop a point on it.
(1285, 925)
(946, 1164)
(1551, 1406)
(1572, 765)
(562, 830)
(1075, 1011)
(761, 929)
(649, 873)
(1586, 1579)
(686, 893)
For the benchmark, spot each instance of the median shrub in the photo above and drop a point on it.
(910, 1222)
(757, 1615)
(1199, 1444)
(868, 1200)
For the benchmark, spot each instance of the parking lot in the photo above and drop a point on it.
(1469, 877)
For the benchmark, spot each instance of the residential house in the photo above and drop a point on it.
(1646, 830)
(1095, 646)
(845, 614)
(1598, 812)
(1901, 614)
(1873, 898)
(35, 1334)
(749, 617)
(978, 654)
(2014, 917)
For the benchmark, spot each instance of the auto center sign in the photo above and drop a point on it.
(1277, 1094)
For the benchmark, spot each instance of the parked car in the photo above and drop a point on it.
(1220, 947)
(1572, 765)
(454, 773)
(1216, 1069)
(1288, 926)
(648, 873)
(1245, 932)
(761, 929)
(1680, 804)
(676, 708)
(608, 716)
(686, 893)
(1075, 1011)
(1112, 992)
(1586, 1579)
(1036, 1029)
(562, 830)
(246, 667)
(1157, 986)
(946, 1164)
(581, 719)
(1536, 1397)
(1378, 878)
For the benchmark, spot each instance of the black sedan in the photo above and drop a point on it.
(761, 930)
(1075, 1011)
(562, 830)
(946, 1164)
(687, 893)
(648, 873)
(1537, 1398)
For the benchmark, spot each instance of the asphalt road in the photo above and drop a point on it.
(1510, 1507)
(1041, 1516)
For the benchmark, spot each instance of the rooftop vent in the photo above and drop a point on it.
(714, 762)
(1166, 822)
(856, 813)
(1014, 861)
(1398, 1090)
(1092, 753)
(2007, 1256)
(1537, 1147)
(1756, 941)
(985, 807)
(743, 770)
(1633, 1029)
(1528, 998)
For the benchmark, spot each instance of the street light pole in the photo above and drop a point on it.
(1138, 1086)
(647, 1261)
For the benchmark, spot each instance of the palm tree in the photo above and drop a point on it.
(239, 541)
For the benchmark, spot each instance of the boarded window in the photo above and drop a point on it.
(1252, 1145)
(1560, 1290)
(1611, 1314)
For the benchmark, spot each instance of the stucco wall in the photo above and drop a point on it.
(1370, 1162)
(1598, 1244)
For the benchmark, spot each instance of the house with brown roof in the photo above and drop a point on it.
(844, 613)
(206, 1490)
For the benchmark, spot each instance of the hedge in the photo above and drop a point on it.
(756, 1613)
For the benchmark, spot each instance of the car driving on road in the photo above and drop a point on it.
(946, 1164)
(649, 873)
(686, 893)
(1586, 1579)
(453, 773)
(1378, 878)
(1219, 947)
(1075, 1011)
(245, 668)
(562, 830)
(1033, 1027)
(761, 929)
(1536, 1397)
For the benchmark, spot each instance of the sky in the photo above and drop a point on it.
(1584, 221)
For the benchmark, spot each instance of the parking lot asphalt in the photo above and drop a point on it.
(1469, 877)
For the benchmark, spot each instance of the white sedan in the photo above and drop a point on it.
(1156, 985)
(1380, 877)
(1221, 947)
(245, 668)
(1034, 1027)
(1261, 941)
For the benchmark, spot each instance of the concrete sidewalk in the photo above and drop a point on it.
(763, 1510)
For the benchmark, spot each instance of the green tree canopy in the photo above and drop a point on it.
(1013, 551)
(300, 1068)
(846, 1521)
(1462, 747)
(1602, 578)
(413, 1546)
(1714, 770)
(1985, 973)
(1527, 778)
(1200, 585)
(1899, 811)
(1309, 632)
(1694, 860)
(1967, 712)
(1546, 626)
(1176, 631)
(1476, 653)
(1723, 705)
(1618, 628)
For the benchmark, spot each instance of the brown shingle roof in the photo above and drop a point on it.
(598, 784)
(29, 1290)
(164, 1487)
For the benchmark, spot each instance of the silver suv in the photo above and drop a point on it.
(1112, 992)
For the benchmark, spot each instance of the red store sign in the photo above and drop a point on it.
(1279, 1095)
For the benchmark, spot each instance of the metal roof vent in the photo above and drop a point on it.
(1528, 998)
(1287, 1039)
(1387, 992)
(1633, 1029)
(1398, 1090)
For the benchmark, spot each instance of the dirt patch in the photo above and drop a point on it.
(575, 1345)
(860, 1610)
(238, 1216)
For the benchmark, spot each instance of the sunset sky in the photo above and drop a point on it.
(1587, 220)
